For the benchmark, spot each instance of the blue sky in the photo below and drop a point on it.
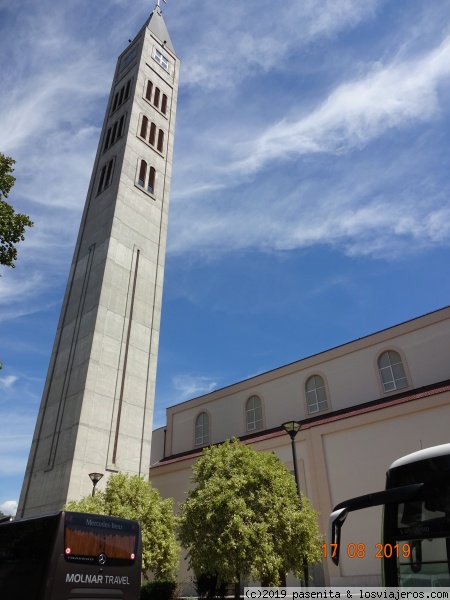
(310, 194)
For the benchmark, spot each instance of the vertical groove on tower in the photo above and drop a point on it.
(68, 372)
(125, 359)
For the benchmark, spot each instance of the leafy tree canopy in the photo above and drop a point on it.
(130, 497)
(244, 517)
(12, 224)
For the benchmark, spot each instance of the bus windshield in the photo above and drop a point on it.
(97, 540)
(421, 525)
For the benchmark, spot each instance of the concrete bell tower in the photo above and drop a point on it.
(96, 411)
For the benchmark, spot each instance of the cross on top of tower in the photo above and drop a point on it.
(157, 3)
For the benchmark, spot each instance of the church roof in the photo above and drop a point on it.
(158, 27)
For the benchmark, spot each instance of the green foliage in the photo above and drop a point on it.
(158, 590)
(12, 224)
(244, 517)
(130, 497)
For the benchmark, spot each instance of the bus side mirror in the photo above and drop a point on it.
(336, 521)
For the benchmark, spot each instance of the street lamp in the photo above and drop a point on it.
(95, 478)
(292, 428)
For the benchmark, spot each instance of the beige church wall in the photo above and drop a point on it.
(174, 481)
(157, 449)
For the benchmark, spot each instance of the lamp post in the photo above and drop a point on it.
(292, 428)
(95, 478)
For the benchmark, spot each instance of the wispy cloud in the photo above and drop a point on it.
(7, 381)
(396, 96)
(364, 205)
(255, 45)
(190, 386)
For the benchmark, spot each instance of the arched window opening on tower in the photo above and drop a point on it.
(253, 410)
(202, 429)
(115, 101)
(147, 184)
(142, 173)
(160, 140)
(127, 89)
(114, 133)
(164, 104)
(148, 91)
(107, 140)
(151, 181)
(392, 372)
(151, 139)
(121, 126)
(144, 126)
(156, 97)
(316, 394)
(105, 176)
(121, 96)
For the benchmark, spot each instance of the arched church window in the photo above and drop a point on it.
(316, 394)
(202, 429)
(392, 372)
(254, 414)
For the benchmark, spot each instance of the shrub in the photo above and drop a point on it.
(158, 590)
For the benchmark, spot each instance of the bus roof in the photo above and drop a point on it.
(432, 452)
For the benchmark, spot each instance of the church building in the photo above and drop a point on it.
(358, 408)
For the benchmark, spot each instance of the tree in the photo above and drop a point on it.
(244, 517)
(130, 497)
(12, 224)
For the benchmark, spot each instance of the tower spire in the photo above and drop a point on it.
(158, 27)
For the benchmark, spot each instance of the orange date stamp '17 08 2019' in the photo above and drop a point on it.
(360, 550)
